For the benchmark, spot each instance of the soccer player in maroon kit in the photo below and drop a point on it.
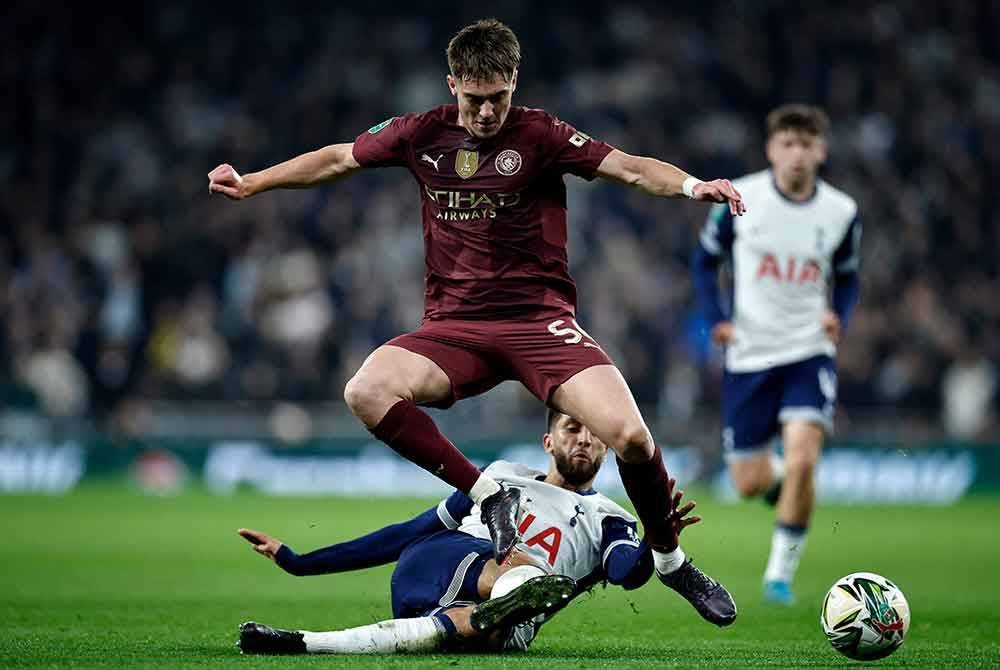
(499, 302)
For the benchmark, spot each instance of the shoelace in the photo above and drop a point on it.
(693, 580)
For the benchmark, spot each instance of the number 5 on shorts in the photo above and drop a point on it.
(573, 335)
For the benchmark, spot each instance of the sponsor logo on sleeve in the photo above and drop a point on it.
(378, 127)
(578, 139)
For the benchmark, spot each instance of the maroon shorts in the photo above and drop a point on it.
(541, 352)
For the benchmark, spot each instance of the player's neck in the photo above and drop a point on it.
(798, 191)
(557, 479)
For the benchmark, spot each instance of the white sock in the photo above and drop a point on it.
(483, 488)
(385, 637)
(786, 549)
(667, 563)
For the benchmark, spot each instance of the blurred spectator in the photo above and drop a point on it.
(969, 390)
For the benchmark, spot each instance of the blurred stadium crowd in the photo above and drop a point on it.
(124, 287)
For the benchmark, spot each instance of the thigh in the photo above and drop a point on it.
(600, 399)
(459, 351)
(750, 405)
(545, 353)
(430, 572)
(809, 392)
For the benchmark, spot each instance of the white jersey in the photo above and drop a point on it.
(783, 253)
(569, 533)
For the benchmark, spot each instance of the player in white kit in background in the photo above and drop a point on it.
(444, 577)
(794, 258)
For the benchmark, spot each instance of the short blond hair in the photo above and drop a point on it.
(801, 118)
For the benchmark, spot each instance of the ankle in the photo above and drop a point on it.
(668, 561)
(483, 489)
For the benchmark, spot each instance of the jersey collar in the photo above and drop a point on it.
(812, 196)
(588, 492)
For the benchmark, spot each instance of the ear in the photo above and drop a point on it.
(452, 85)
(768, 150)
(513, 82)
(821, 150)
(547, 443)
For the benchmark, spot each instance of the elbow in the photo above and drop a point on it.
(337, 160)
(633, 172)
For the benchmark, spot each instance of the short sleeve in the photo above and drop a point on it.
(386, 144)
(616, 532)
(847, 257)
(573, 151)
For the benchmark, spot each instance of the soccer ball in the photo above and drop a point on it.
(865, 616)
(513, 578)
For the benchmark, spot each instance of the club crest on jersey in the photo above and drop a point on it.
(508, 162)
(466, 163)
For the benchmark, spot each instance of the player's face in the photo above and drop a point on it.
(483, 105)
(578, 455)
(796, 155)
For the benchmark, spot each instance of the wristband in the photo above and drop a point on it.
(688, 186)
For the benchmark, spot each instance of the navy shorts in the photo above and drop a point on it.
(755, 404)
(437, 572)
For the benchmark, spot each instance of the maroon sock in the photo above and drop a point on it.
(414, 436)
(648, 487)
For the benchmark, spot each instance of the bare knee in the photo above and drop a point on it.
(633, 442)
(369, 396)
(749, 486)
(751, 476)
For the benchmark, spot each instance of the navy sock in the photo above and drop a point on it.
(792, 528)
(449, 625)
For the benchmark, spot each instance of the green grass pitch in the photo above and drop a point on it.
(107, 577)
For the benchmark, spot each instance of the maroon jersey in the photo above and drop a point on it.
(494, 210)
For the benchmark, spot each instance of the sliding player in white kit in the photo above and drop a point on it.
(571, 537)
(799, 233)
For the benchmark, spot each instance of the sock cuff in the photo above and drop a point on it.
(388, 428)
(625, 465)
(667, 562)
(792, 529)
(444, 623)
(482, 488)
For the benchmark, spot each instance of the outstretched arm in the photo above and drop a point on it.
(378, 548)
(315, 167)
(665, 180)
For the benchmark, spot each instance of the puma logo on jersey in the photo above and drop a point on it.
(432, 161)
